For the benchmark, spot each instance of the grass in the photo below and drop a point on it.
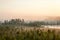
(29, 33)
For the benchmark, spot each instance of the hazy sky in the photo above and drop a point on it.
(29, 9)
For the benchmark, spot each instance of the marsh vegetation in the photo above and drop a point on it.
(16, 29)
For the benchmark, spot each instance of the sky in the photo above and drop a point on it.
(29, 9)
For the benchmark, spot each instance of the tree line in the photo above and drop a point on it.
(22, 22)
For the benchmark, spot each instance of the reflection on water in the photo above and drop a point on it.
(55, 26)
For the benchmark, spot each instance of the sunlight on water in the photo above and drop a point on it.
(56, 26)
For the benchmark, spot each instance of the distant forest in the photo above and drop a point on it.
(22, 22)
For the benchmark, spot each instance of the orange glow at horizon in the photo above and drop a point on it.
(29, 9)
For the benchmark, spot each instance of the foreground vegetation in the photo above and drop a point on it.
(16, 33)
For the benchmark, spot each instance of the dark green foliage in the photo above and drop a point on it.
(10, 33)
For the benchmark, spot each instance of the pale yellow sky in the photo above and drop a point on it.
(29, 9)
